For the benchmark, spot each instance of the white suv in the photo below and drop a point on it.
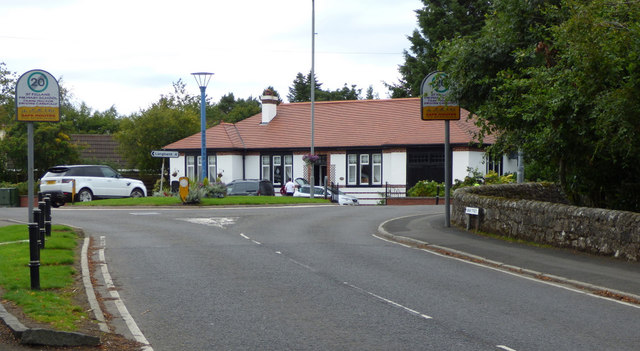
(91, 182)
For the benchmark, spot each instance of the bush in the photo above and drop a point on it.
(216, 190)
(426, 188)
(23, 187)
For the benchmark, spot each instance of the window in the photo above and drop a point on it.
(352, 169)
(266, 167)
(376, 164)
(194, 167)
(277, 168)
(211, 171)
(191, 171)
(288, 167)
(493, 164)
(364, 169)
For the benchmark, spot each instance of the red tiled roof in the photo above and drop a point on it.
(337, 124)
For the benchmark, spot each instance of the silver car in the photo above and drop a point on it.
(88, 182)
(343, 199)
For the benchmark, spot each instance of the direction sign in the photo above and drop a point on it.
(164, 153)
(37, 97)
(435, 101)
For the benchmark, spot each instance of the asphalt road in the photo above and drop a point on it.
(316, 278)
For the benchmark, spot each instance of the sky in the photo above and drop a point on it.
(127, 54)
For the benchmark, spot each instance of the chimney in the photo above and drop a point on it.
(269, 106)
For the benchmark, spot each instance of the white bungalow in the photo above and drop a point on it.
(364, 146)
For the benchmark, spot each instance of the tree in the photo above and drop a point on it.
(161, 124)
(438, 20)
(559, 80)
(300, 91)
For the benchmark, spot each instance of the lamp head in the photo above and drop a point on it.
(202, 78)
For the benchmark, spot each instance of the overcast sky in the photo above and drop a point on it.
(127, 53)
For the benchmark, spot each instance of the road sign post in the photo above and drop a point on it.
(163, 154)
(436, 104)
(37, 100)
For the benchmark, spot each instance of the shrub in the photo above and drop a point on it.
(218, 189)
(426, 188)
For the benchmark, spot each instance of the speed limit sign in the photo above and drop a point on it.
(37, 97)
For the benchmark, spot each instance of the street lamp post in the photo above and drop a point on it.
(313, 93)
(203, 78)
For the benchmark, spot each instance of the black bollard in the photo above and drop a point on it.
(36, 219)
(41, 206)
(34, 255)
(47, 216)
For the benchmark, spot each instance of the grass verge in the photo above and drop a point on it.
(53, 304)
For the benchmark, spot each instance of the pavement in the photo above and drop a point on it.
(602, 276)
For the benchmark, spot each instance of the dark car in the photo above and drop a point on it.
(255, 187)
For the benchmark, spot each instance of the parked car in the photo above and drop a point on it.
(255, 187)
(91, 182)
(343, 199)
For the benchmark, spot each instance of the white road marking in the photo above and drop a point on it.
(506, 348)
(244, 236)
(144, 213)
(91, 294)
(219, 222)
(515, 274)
(124, 312)
(392, 303)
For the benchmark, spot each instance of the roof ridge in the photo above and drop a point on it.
(351, 101)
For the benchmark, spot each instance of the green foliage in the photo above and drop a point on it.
(560, 80)
(429, 188)
(438, 20)
(494, 178)
(300, 91)
(152, 129)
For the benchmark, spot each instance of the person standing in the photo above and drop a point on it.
(290, 187)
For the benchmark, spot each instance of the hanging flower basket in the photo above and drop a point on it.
(311, 159)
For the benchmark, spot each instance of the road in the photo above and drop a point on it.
(316, 278)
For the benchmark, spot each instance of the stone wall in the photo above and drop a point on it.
(539, 212)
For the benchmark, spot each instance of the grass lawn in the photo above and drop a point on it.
(53, 303)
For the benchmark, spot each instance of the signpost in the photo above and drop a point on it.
(163, 154)
(436, 104)
(37, 100)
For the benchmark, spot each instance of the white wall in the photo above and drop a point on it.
(509, 165)
(394, 168)
(339, 163)
(463, 159)
(230, 166)
(177, 165)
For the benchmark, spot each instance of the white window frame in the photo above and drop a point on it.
(288, 167)
(265, 164)
(352, 169)
(191, 167)
(211, 168)
(355, 164)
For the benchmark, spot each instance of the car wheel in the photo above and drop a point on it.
(84, 195)
(137, 193)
